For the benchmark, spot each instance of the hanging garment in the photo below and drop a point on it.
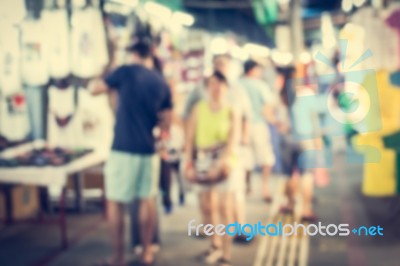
(393, 22)
(88, 43)
(354, 35)
(57, 29)
(283, 38)
(36, 110)
(34, 58)
(373, 21)
(96, 120)
(63, 123)
(10, 77)
(14, 122)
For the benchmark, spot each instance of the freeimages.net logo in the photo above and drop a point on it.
(282, 230)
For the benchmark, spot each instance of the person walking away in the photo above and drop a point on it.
(292, 149)
(262, 101)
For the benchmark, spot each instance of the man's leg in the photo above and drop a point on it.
(248, 182)
(165, 185)
(291, 188)
(308, 193)
(147, 190)
(119, 187)
(115, 219)
(264, 156)
(147, 222)
(266, 170)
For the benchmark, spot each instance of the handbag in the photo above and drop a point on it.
(206, 159)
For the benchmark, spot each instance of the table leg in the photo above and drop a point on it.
(45, 202)
(104, 202)
(79, 200)
(62, 220)
(9, 208)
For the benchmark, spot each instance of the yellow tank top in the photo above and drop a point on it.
(212, 127)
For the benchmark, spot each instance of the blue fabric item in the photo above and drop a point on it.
(259, 95)
(36, 110)
(143, 93)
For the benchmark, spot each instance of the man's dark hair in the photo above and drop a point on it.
(143, 49)
(219, 76)
(249, 65)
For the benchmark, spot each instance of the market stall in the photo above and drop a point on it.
(41, 170)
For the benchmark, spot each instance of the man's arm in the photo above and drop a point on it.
(269, 114)
(98, 86)
(165, 119)
(113, 81)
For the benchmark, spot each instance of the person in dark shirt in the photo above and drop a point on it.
(131, 171)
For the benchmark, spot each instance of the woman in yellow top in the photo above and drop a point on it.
(212, 126)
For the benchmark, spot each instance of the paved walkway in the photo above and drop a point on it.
(340, 202)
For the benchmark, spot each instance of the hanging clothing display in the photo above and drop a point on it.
(96, 120)
(63, 123)
(393, 22)
(34, 59)
(36, 109)
(10, 76)
(354, 35)
(283, 38)
(88, 43)
(57, 29)
(14, 121)
(376, 30)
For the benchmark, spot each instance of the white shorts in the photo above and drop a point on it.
(246, 157)
(261, 145)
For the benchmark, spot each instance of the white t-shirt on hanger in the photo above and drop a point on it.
(96, 120)
(62, 124)
(14, 120)
(89, 48)
(10, 72)
(34, 58)
(57, 29)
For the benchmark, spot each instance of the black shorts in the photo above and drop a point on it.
(290, 155)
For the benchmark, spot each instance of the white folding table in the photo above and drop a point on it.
(50, 176)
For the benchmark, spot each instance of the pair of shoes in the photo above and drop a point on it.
(147, 263)
(168, 209)
(224, 262)
(182, 200)
(268, 199)
(286, 210)
(242, 239)
(211, 256)
(109, 262)
(309, 219)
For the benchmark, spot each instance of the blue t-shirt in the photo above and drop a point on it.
(143, 93)
(259, 95)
